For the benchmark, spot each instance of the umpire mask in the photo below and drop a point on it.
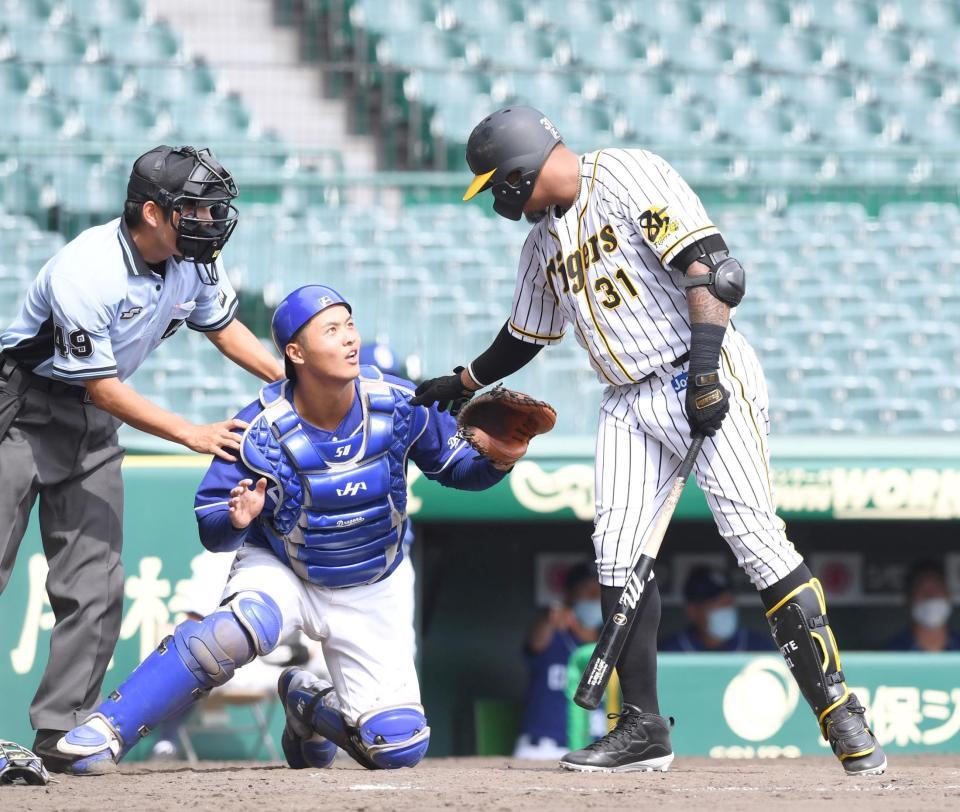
(196, 186)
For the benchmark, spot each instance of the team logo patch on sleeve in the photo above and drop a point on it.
(657, 225)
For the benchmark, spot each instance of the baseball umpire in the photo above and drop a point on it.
(623, 250)
(95, 311)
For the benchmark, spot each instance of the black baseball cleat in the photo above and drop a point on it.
(852, 741)
(639, 743)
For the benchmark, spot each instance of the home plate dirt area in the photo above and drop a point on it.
(911, 782)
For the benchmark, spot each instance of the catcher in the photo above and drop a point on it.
(316, 508)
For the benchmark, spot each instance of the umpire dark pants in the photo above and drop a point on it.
(56, 446)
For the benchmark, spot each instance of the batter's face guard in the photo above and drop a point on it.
(506, 152)
(293, 313)
(17, 764)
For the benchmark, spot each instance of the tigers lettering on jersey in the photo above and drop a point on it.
(603, 266)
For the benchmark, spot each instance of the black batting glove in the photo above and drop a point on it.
(446, 391)
(707, 402)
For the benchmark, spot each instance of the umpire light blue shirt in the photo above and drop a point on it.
(97, 310)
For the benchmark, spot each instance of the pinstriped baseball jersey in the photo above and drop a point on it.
(97, 310)
(604, 266)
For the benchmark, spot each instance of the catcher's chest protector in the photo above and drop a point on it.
(339, 518)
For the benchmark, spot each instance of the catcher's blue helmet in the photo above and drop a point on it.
(296, 310)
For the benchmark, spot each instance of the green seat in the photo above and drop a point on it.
(42, 43)
(752, 15)
(669, 16)
(15, 78)
(139, 43)
(494, 14)
(392, 15)
(857, 125)
(32, 118)
(103, 12)
(118, 119)
(97, 82)
(420, 48)
(17, 12)
(546, 90)
(515, 46)
(839, 15)
(610, 49)
(172, 82)
(699, 50)
(878, 53)
(929, 16)
(791, 51)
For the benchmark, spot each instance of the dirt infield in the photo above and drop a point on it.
(913, 782)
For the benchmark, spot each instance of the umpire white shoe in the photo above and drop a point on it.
(639, 743)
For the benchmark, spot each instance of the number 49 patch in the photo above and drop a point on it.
(80, 344)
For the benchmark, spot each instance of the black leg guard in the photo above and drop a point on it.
(800, 627)
(802, 631)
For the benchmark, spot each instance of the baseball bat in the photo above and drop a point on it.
(614, 633)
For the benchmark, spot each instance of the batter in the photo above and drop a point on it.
(623, 253)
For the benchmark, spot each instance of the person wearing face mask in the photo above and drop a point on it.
(551, 640)
(928, 599)
(94, 313)
(714, 620)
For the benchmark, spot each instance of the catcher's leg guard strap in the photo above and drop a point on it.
(382, 739)
(196, 657)
(799, 624)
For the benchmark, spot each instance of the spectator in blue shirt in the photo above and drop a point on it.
(550, 642)
(714, 620)
(928, 599)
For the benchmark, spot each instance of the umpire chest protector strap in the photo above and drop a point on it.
(338, 519)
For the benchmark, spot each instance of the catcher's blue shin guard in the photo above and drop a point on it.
(385, 738)
(198, 656)
(302, 746)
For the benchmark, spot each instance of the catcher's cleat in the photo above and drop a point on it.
(302, 746)
(89, 749)
(852, 741)
(639, 743)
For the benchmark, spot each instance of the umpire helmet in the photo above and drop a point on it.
(176, 176)
(506, 152)
(17, 764)
(293, 313)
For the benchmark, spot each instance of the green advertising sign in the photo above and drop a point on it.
(748, 706)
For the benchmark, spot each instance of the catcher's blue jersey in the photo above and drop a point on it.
(311, 544)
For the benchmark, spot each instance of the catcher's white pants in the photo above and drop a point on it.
(366, 632)
(642, 437)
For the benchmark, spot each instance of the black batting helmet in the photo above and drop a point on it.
(506, 152)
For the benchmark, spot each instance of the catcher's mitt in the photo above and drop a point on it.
(500, 424)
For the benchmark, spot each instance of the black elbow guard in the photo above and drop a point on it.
(727, 280)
